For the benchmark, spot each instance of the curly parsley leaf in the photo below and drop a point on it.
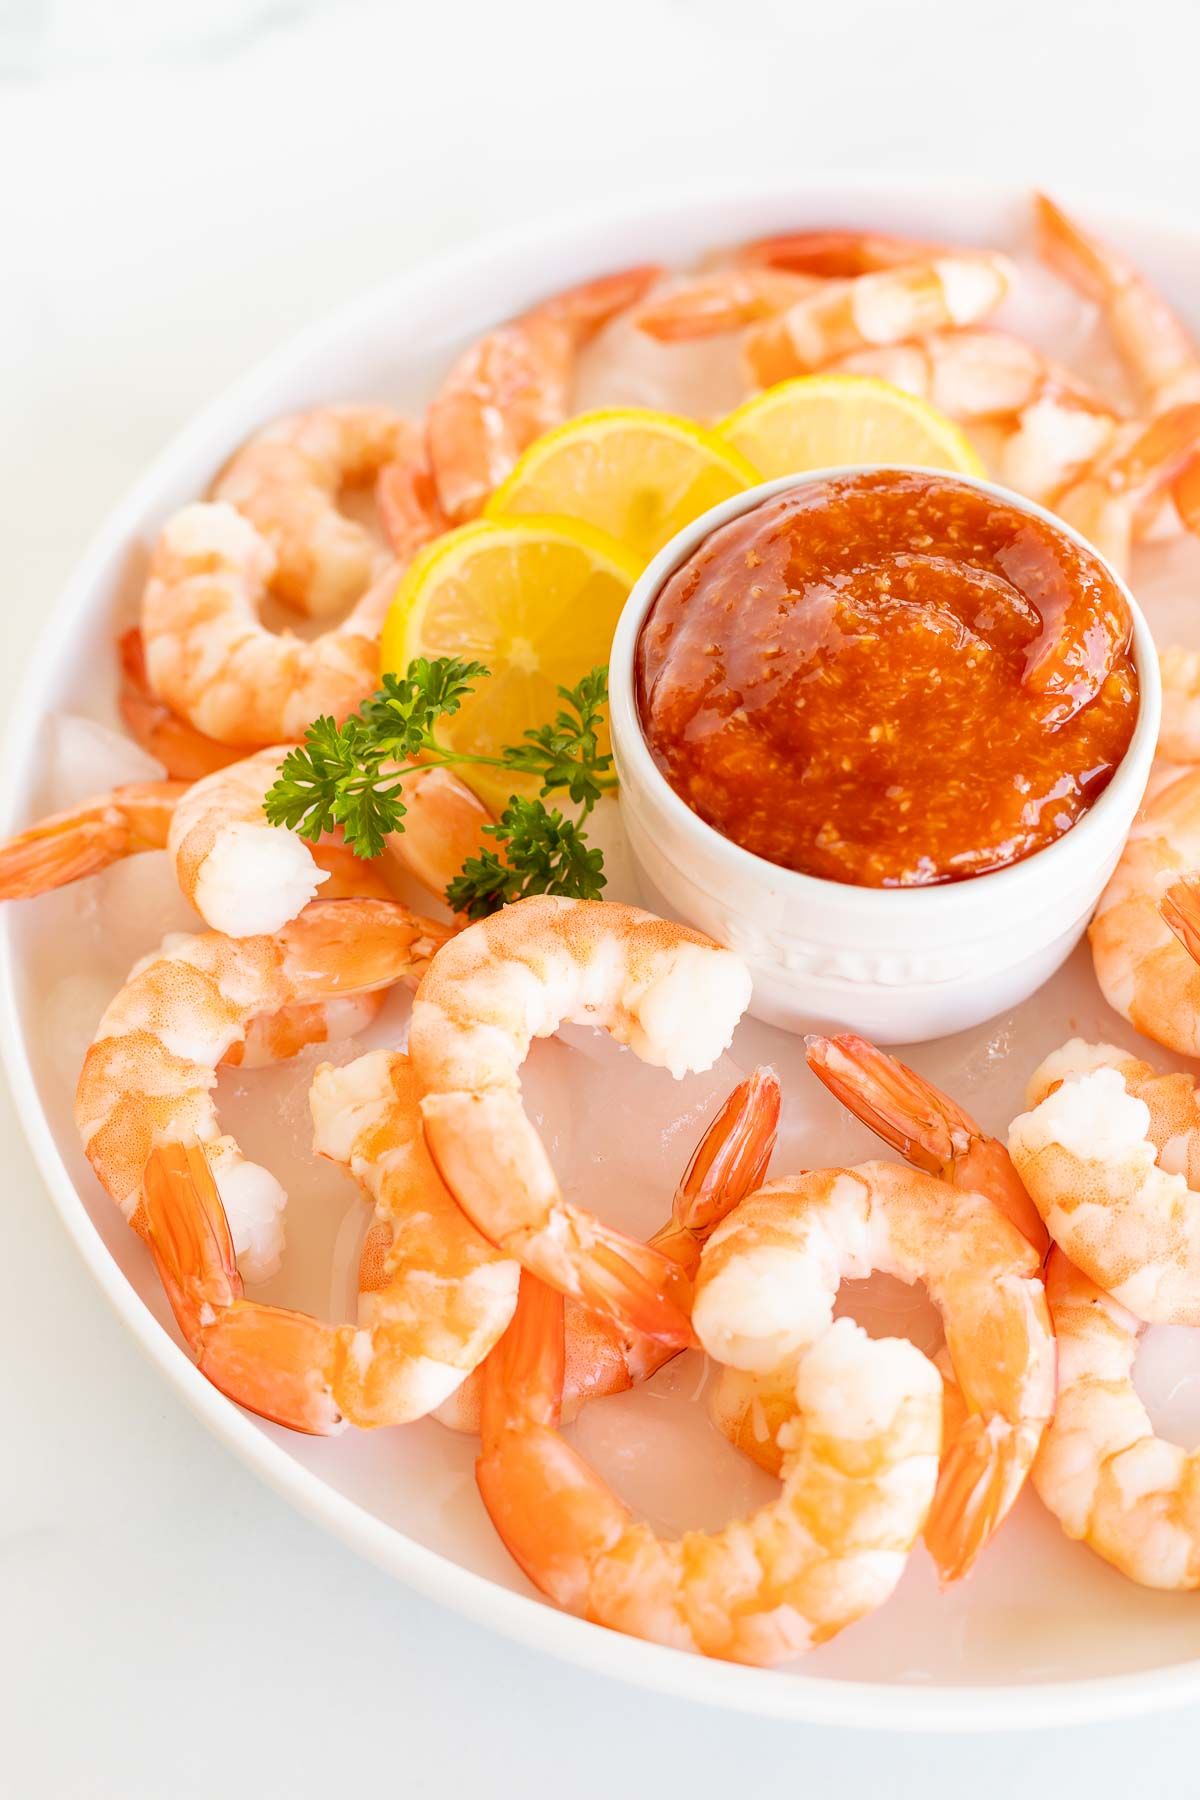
(543, 853)
(350, 775)
(335, 778)
(402, 715)
(566, 753)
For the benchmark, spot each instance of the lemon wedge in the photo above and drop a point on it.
(819, 421)
(638, 475)
(534, 599)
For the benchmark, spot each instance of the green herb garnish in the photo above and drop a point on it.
(349, 775)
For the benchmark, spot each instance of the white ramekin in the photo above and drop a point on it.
(901, 964)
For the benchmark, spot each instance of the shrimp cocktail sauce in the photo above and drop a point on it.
(889, 679)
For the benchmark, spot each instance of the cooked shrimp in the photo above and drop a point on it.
(1110, 497)
(278, 1036)
(66, 846)
(513, 385)
(719, 300)
(444, 824)
(149, 1074)
(409, 509)
(836, 253)
(930, 1130)
(1160, 352)
(185, 753)
(439, 1298)
(243, 875)
(1162, 356)
(760, 280)
(229, 862)
(212, 662)
(958, 288)
(1054, 426)
(672, 995)
(974, 373)
(1144, 970)
(1110, 1152)
(602, 1358)
(859, 1469)
(1128, 1494)
(287, 481)
(781, 1256)
(1171, 1101)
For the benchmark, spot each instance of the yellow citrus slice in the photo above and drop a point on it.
(536, 600)
(636, 474)
(819, 421)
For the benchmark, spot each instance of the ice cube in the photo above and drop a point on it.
(1167, 1378)
(625, 367)
(266, 1110)
(85, 758)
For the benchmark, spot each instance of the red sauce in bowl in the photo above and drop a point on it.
(889, 679)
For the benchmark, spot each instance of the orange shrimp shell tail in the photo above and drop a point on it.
(588, 307)
(982, 1472)
(549, 1510)
(271, 1361)
(1078, 257)
(276, 1363)
(927, 1127)
(350, 946)
(189, 1235)
(899, 1105)
(731, 1159)
(638, 1285)
(39, 860)
(836, 253)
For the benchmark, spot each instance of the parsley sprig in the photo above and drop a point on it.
(351, 775)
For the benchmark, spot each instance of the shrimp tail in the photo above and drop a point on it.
(929, 1129)
(275, 1363)
(1180, 909)
(523, 1376)
(189, 1236)
(731, 1159)
(636, 1283)
(267, 1359)
(589, 306)
(900, 1106)
(835, 254)
(387, 944)
(551, 1513)
(70, 845)
(708, 305)
(979, 1477)
(1076, 255)
(58, 852)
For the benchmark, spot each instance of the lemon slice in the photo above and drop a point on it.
(818, 421)
(636, 474)
(536, 600)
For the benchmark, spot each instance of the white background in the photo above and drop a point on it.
(180, 186)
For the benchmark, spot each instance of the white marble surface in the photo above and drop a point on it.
(182, 184)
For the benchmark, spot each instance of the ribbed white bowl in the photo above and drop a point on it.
(898, 965)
